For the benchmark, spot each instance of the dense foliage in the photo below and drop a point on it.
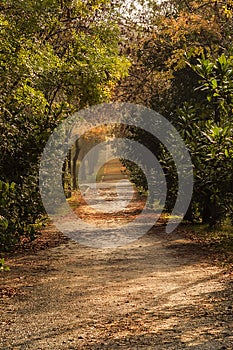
(59, 56)
(181, 54)
(55, 57)
(208, 132)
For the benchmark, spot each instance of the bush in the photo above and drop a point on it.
(18, 219)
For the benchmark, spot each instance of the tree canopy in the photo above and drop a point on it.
(58, 56)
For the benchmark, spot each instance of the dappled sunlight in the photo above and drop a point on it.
(140, 294)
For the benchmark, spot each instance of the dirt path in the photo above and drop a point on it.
(160, 292)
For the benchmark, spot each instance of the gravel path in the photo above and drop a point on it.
(160, 292)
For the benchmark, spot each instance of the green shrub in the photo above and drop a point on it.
(18, 214)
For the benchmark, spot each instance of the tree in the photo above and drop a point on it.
(165, 76)
(173, 32)
(207, 130)
(56, 57)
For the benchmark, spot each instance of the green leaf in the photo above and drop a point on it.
(214, 83)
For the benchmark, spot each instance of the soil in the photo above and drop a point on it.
(162, 291)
